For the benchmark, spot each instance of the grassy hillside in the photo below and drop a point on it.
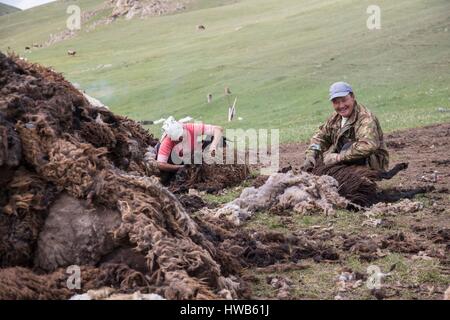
(278, 57)
(6, 9)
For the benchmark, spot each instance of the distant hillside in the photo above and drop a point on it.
(5, 9)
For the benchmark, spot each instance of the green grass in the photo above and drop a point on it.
(278, 57)
(318, 280)
(266, 220)
(315, 282)
(227, 196)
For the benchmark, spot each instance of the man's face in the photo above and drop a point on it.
(344, 105)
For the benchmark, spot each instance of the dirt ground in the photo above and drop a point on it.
(410, 252)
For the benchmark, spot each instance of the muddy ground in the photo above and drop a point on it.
(409, 251)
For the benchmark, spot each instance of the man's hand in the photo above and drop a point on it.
(167, 167)
(309, 164)
(331, 158)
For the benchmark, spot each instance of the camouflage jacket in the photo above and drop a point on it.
(361, 134)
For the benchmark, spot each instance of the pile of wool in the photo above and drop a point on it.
(213, 175)
(18, 283)
(61, 155)
(303, 192)
(108, 293)
(358, 183)
(355, 183)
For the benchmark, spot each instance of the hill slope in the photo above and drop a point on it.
(6, 9)
(278, 57)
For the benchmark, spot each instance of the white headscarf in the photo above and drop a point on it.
(173, 128)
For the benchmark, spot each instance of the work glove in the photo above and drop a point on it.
(309, 164)
(332, 158)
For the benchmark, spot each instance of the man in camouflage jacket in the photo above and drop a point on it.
(351, 135)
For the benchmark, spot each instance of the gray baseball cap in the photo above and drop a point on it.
(339, 89)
